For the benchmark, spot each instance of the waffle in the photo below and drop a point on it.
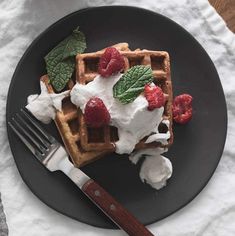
(87, 69)
(67, 122)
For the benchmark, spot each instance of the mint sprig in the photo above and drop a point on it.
(60, 61)
(132, 83)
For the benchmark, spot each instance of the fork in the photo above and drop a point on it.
(54, 157)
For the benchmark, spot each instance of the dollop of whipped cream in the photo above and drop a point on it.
(45, 105)
(156, 169)
(133, 120)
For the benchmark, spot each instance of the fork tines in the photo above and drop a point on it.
(39, 142)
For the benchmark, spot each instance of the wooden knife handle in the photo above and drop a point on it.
(114, 210)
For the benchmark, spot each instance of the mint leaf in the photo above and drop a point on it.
(76, 43)
(60, 61)
(61, 73)
(132, 83)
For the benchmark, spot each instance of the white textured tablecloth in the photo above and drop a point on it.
(211, 213)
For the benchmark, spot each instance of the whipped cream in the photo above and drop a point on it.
(45, 105)
(156, 169)
(160, 137)
(134, 121)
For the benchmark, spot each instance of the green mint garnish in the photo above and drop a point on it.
(132, 83)
(60, 61)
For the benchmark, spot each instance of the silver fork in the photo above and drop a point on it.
(54, 157)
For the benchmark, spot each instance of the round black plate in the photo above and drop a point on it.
(197, 146)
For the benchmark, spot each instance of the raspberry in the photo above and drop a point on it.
(110, 62)
(182, 108)
(96, 113)
(154, 96)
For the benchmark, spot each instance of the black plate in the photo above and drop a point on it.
(197, 147)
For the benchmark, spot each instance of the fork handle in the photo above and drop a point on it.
(114, 210)
(102, 199)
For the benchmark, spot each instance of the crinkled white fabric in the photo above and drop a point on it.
(211, 213)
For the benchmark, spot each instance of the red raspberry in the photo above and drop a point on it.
(96, 113)
(110, 62)
(154, 96)
(182, 108)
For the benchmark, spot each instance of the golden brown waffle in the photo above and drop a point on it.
(87, 68)
(68, 126)
(67, 123)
